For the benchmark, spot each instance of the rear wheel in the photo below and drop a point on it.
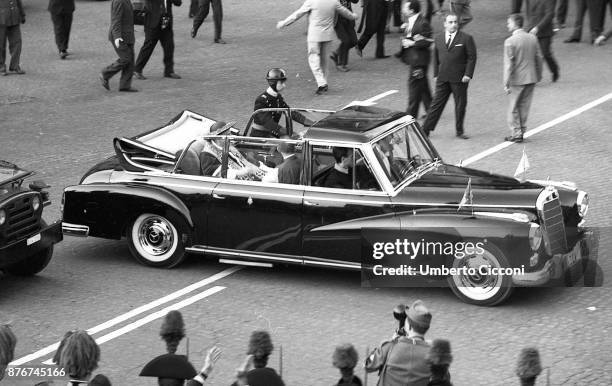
(477, 288)
(155, 240)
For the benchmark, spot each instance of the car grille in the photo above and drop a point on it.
(22, 220)
(552, 220)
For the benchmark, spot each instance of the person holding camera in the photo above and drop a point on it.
(402, 359)
(158, 27)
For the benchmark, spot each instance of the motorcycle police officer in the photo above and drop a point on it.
(265, 123)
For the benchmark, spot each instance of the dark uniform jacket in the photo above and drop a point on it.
(451, 64)
(11, 12)
(540, 14)
(419, 54)
(122, 21)
(289, 170)
(57, 7)
(155, 10)
(269, 120)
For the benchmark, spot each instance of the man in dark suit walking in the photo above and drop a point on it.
(375, 14)
(121, 35)
(201, 13)
(158, 27)
(11, 15)
(61, 16)
(540, 14)
(454, 63)
(415, 53)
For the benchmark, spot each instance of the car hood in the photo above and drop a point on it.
(10, 172)
(447, 184)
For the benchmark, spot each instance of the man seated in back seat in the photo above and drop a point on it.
(204, 158)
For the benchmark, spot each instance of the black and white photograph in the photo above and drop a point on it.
(305, 192)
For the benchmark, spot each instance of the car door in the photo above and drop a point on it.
(334, 217)
(253, 219)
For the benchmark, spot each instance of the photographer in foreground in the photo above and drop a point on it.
(401, 360)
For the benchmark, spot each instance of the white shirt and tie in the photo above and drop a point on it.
(449, 37)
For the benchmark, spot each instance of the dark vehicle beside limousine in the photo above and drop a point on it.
(178, 189)
(26, 241)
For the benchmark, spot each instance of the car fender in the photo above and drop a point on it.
(509, 232)
(107, 209)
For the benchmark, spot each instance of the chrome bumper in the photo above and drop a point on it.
(75, 229)
(558, 265)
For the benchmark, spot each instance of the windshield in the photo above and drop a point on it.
(402, 153)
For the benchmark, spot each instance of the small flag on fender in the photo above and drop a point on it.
(468, 196)
(522, 167)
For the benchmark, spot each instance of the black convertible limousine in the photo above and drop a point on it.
(155, 193)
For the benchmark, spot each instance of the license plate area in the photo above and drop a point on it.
(33, 239)
(573, 257)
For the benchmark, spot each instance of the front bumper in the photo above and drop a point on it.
(75, 229)
(21, 250)
(556, 268)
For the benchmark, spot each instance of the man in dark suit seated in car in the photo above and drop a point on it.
(290, 169)
(341, 175)
(203, 158)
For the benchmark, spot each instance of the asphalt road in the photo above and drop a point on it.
(58, 120)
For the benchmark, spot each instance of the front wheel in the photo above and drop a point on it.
(154, 240)
(473, 287)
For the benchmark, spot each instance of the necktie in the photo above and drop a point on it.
(448, 42)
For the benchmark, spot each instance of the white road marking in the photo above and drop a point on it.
(380, 96)
(370, 101)
(121, 318)
(539, 129)
(151, 317)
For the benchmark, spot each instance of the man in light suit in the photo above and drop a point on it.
(454, 63)
(416, 54)
(321, 20)
(522, 70)
(121, 35)
(61, 16)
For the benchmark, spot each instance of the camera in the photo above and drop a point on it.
(165, 21)
(399, 313)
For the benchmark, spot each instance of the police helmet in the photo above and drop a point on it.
(276, 74)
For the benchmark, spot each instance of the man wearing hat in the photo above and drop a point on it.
(401, 360)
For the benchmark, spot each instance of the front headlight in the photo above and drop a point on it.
(535, 237)
(2, 216)
(35, 203)
(583, 203)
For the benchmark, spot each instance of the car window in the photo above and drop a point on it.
(400, 153)
(341, 167)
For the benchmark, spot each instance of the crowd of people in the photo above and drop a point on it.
(406, 359)
(451, 53)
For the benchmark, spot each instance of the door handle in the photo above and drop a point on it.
(218, 197)
(310, 203)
